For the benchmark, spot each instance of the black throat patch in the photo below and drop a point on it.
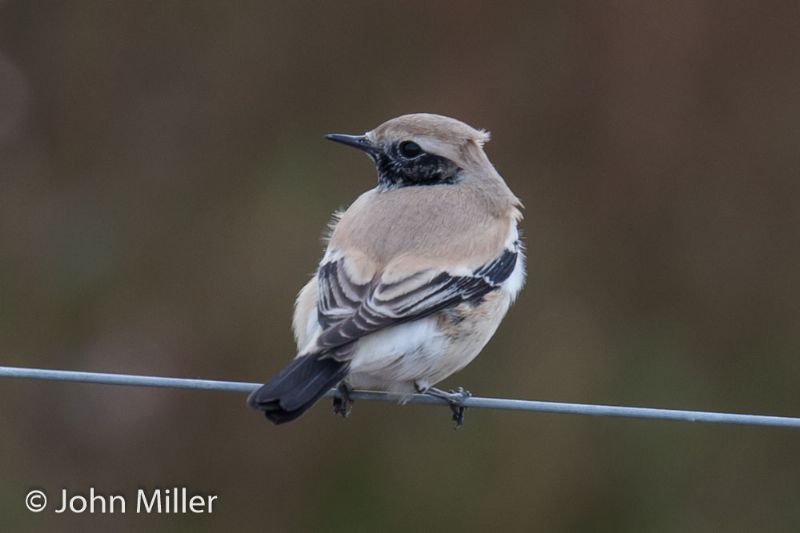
(426, 169)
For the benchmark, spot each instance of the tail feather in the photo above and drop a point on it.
(297, 387)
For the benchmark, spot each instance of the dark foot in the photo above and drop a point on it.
(343, 404)
(456, 400)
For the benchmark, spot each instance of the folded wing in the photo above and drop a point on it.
(348, 310)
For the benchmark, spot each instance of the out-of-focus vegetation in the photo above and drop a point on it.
(164, 184)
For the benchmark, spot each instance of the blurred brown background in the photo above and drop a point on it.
(164, 184)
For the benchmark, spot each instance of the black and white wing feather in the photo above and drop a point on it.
(348, 311)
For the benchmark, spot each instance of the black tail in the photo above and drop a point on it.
(295, 388)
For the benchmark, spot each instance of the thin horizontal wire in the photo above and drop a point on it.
(487, 403)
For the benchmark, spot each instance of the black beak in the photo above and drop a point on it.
(356, 141)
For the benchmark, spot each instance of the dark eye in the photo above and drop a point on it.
(409, 149)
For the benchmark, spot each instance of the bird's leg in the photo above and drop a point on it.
(343, 404)
(456, 400)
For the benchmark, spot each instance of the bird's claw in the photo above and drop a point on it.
(343, 404)
(457, 405)
(455, 398)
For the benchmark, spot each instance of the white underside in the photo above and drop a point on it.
(394, 358)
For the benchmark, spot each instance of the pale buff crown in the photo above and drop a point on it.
(427, 126)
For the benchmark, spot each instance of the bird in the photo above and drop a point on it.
(417, 275)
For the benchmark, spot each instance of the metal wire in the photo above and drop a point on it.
(487, 403)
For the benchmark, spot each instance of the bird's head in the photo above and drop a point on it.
(422, 149)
